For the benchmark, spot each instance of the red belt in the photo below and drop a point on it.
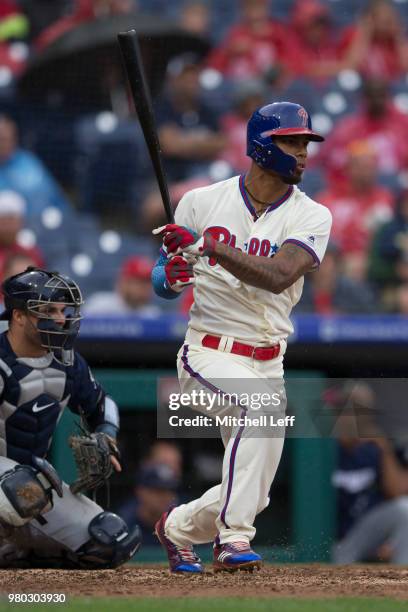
(262, 353)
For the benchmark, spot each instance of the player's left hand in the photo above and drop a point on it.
(179, 273)
(180, 239)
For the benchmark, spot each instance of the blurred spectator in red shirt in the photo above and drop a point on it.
(380, 123)
(313, 49)
(248, 96)
(12, 213)
(132, 295)
(377, 45)
(252, 46)
(14, 26)
(358, 206)
(17, 263)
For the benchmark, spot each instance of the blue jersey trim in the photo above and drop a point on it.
(272, 206)
(305, 247)
(281, 200)
(245, 197)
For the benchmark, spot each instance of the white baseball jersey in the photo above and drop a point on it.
(223, 305)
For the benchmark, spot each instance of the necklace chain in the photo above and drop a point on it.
(256, 199)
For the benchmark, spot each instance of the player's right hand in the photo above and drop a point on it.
(179, 273)
(177, 237)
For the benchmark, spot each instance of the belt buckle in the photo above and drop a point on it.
(254, 349)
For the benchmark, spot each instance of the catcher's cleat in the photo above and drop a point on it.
(182, 559)
(235, 556)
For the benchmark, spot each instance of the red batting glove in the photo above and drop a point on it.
(179, 239)
(179, 273)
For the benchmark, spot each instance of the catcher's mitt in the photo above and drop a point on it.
(92, 457)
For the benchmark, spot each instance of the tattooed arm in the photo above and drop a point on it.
(276, 274)
(272, 274)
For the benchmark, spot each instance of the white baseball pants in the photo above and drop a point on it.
(227, 511)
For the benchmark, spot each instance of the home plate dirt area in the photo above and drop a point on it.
(311, 581)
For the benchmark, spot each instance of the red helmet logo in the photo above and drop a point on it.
(304, 116)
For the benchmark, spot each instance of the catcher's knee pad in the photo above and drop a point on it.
(25, 492)
(111, 543)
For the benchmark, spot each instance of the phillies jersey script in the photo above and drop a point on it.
(222, 303)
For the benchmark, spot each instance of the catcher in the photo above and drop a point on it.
(43, 521)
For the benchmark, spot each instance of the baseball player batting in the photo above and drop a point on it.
(254, 237)
(43, 522)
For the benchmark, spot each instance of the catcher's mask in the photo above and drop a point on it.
(35, 289)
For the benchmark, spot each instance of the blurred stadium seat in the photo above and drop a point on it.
(224, 15)
(281, 8)
(216, 91)
(161, 7)
(84, 235)
(76, 245)
(51, 135)
(302, 91)
(112, 165)
(345, 11)
(96, 255)
(50, 233)
(400, 86)
(7, 89)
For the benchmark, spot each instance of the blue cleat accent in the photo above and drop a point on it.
(182, 559)
(235, 556)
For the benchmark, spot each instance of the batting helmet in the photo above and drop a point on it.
(277, 119)
(34, 289)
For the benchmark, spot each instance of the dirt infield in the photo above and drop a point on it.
(271, 581)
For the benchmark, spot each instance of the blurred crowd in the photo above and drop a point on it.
(77, 190)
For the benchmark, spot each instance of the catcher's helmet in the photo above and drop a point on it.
(33, 289)
(277, 119)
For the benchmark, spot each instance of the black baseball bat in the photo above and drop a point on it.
(132, 60)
